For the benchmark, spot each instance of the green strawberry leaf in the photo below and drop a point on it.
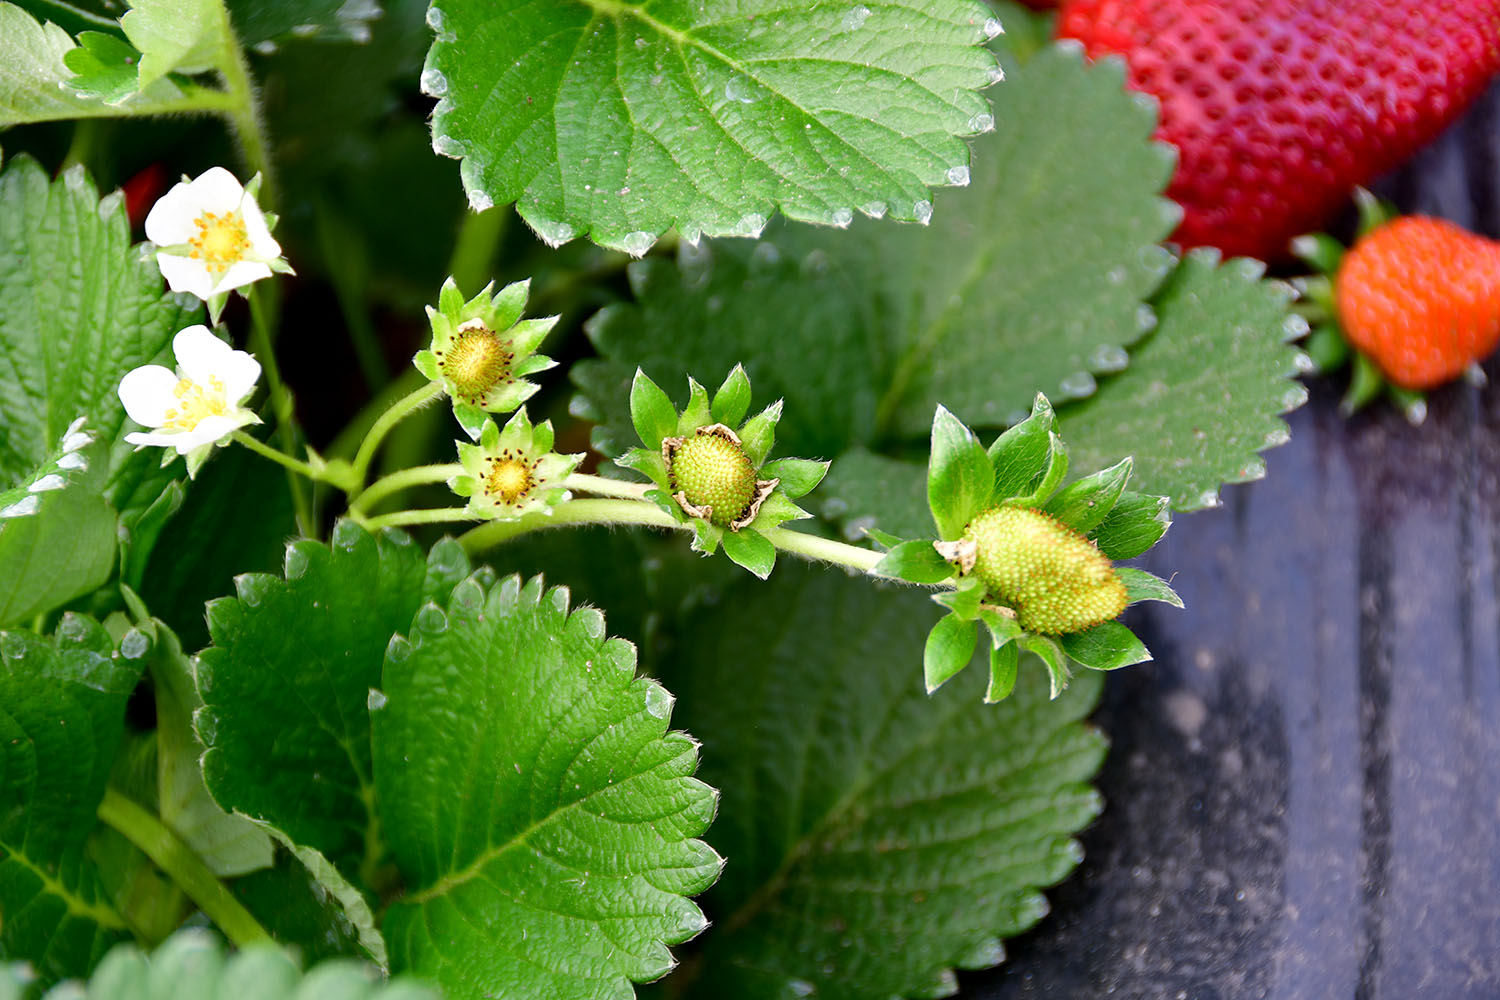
(62, 711)
(174, 36)
(57, 535)
(1010, 290)
(192, 963)
(877, 836)
(619, 121)
(1205, 392)
(287, 684)
(79, 307)
(540, 811)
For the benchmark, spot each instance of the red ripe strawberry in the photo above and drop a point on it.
(1279, 107)
(1421, 298)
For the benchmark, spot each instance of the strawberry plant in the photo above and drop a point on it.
(761, 637)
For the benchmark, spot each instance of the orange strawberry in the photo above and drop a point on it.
(1421, 298)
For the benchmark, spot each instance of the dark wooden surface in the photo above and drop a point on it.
(1304, 788)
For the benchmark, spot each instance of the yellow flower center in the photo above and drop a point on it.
(476, 361)
(509, 479)
(195, 403)
(221, 241)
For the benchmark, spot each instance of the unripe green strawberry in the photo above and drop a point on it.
(710, 470)
(1056, 580)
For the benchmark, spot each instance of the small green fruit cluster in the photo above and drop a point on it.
(714, 477)
(1031, 559)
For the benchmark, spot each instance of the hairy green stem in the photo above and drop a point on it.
(434, 515)
(183, 866)
(583, 483)
(642, 512)
(244, 113)
(282, 404)
(292, 465)
(398, 411)
(420, 475)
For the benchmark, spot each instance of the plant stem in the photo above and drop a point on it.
(293, 465)
(244, 110)
(435, 515)
(418, 476)
(399, 410)
(607, 487)
(590, 511)
(282, 404)
(184, 867)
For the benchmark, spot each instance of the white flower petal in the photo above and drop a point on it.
(242, 273)
(200, 355)
(210, 430)
(217, 190)
(152, 439)
(147, 395)
(170, 220)
(184, 274)
(240, 371)
(262, 243)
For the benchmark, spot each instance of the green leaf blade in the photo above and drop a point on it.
(619, 121)
(852, 797)
(560, 868)
(1205, 393)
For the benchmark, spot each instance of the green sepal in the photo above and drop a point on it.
(706, 535)
(884, 538)
(1143, 586)
(664, 500)
(1051, 655)
(797, 476)
(1003, 628)
(915, 561)
(1056, 470)
(965, 599)
(959, 476)
(1365, 385)
(648, 463)
(651, 411)
(1411, 402)
(759, 433)
(1107, 646)
(777, 510)
(732, 401)
(471, 418)
(1373, 212)
(1136, 523)
(1019, 456)
(426, 362)
(1327, 348)
(697, 413)
(750, 549)
(1083, 504)
(1004, 667)
(1319, 250)
(950, 646)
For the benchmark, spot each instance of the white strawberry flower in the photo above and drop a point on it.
(198, 405)
(212, 236)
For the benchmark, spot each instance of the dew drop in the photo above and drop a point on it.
(432, 618)
(446, 145)
(554, 234)
(982, 122)
(637, 243)
(922, 212)
(856, 18)
(73, 440)
(433, 82)
(1295, 326)
(658, 701)
(134, 645)
(479, 200)
(375, 700)
(995, 74)
(21, 508)
(1145, 318)
(993, 27)
(751, 225)
(743, 90)
(347, 536)
(843, 217)
(49, 482)
(295, 562)
(206, 722)
(801, 988)
(73, 460)
(1109, 358)
(958, 176)
(435, 18)
(1305, 365)
(640, 42)
(1077, 385)
(398, 649)
(875, 209)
